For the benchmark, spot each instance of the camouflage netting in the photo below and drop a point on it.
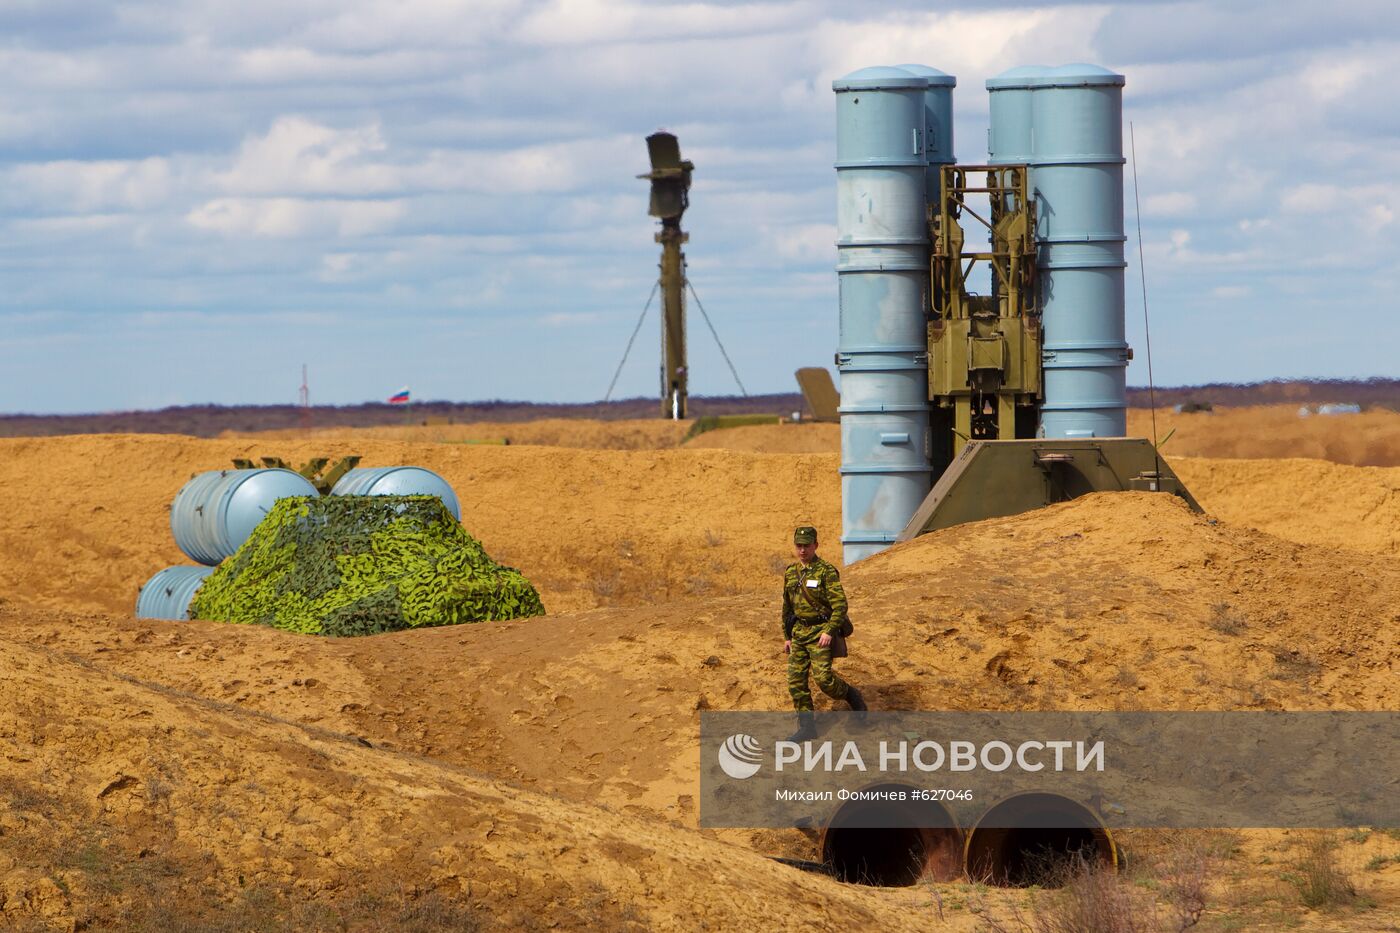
(358, 565)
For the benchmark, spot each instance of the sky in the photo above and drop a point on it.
(199, 197)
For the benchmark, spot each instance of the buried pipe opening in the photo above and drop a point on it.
(1037, 839)
(881, 840)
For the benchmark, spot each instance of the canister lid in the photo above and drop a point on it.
(877, 77)
(1018, 77)
(1078, 75)
(934, 77)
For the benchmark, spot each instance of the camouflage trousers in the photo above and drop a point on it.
(808, 655)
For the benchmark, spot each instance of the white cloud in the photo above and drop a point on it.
(473, 160)
(972, 45)
(1373, 206)
(578, 22)
(415, 24)
(570, 318)
(810, 243)
(1169, 204)
(1231, 291)
(227, 319)
(82, 187)
(1333, 78)
(297, 155)
(295, 217)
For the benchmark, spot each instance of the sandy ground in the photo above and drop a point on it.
(1258, 432)
(543, 771)
(1275, 431)
(650, 434)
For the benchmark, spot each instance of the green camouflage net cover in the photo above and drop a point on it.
(358, 565)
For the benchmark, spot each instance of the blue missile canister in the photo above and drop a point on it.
(882, 269)
(938, 124)
(398, 481)
(168, 594)
(215, 512)
(1067, 123)
(1009, 99)
(1077, 116)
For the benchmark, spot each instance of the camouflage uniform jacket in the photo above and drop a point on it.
(822, 582)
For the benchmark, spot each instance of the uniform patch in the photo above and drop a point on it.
(813, 584)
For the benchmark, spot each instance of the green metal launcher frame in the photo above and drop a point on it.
(984, 369)
(986, 379)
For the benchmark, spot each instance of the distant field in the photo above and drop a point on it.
(214, 420)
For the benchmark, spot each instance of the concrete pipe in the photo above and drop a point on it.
(891, 843)
(1032, 839)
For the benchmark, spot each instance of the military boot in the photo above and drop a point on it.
(855, 700)
(806, 728)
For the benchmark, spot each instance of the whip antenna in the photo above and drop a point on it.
(1146, 328)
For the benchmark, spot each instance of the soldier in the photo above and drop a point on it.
(814, 609)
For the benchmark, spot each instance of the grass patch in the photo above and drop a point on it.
(1317, 875)
(1092, 900)
(1225, 620)
(1292, 664)
(1165, 889)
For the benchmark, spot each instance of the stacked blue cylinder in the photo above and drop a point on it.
(882, 267)
(1067, 124)
(398, 481)
(938, 126)
(168, 594)
(215, 512)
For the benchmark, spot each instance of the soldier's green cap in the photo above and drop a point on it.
(805, 535)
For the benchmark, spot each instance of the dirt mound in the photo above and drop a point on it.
(636, 434)
(1308, 501)
(1263, 431)
(201, 739)
(590, 528)
(124, 795)
(587, 527)
(1271, 431)
(1111, 601)
(774, 439)
(1266, 431)
(1125, 601)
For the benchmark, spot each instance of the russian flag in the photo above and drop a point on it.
(400, 397)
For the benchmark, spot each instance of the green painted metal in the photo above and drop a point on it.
(984, 365)
(670, 196)
(819, 392)
(314, 469)
(993, 479)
